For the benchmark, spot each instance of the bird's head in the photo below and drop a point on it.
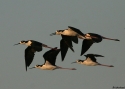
(78, 61)
(58, 32)
(28, 42)
(38, 66)
(22, 42)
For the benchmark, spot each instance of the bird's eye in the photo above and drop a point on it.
(59, 30)
(79, 60)
(26, 41)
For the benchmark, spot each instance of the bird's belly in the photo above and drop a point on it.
(90, 63)
(48, 67)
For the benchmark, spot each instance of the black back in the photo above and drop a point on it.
(98, 39)
(76, 30)
(36, 45)
(51, 55)
(92, 56)
(29, 55)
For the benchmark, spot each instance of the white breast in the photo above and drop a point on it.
(48, 67)
(89, 63)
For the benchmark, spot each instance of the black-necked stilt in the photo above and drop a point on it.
(86, 44)
(65, 43)
(50, 59)
(68, 35)
(72, 33)
(91, 60)
(33, 46)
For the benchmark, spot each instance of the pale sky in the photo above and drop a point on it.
(37, 19)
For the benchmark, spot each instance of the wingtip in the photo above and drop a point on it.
(82, 53)
(72, 49)
(62, 58)
(26, 69)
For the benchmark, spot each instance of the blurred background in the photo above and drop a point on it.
(37, 19)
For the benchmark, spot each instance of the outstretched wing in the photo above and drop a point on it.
(86, 44)
(67, 41)
(92, 56)
(76, 30)
(51, 55)
(29, 55)
(64, 48)
(95, 55)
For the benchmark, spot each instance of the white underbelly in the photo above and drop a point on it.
(48, 67)
(90, 63)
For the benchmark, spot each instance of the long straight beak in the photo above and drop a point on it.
(16, 44)
(53, 34)
(32, 67)
(73, 62)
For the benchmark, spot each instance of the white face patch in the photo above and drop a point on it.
(58, 32)
(28, 43)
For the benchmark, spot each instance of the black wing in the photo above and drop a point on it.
(97, 55)
(67, 41)
(74, 39)
(29, 55)
(92, 56)
(86, 44)
(51, 55)
(36, 43)
(76, 30)
(64, 48)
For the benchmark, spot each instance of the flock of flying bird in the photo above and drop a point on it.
(68, 36)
